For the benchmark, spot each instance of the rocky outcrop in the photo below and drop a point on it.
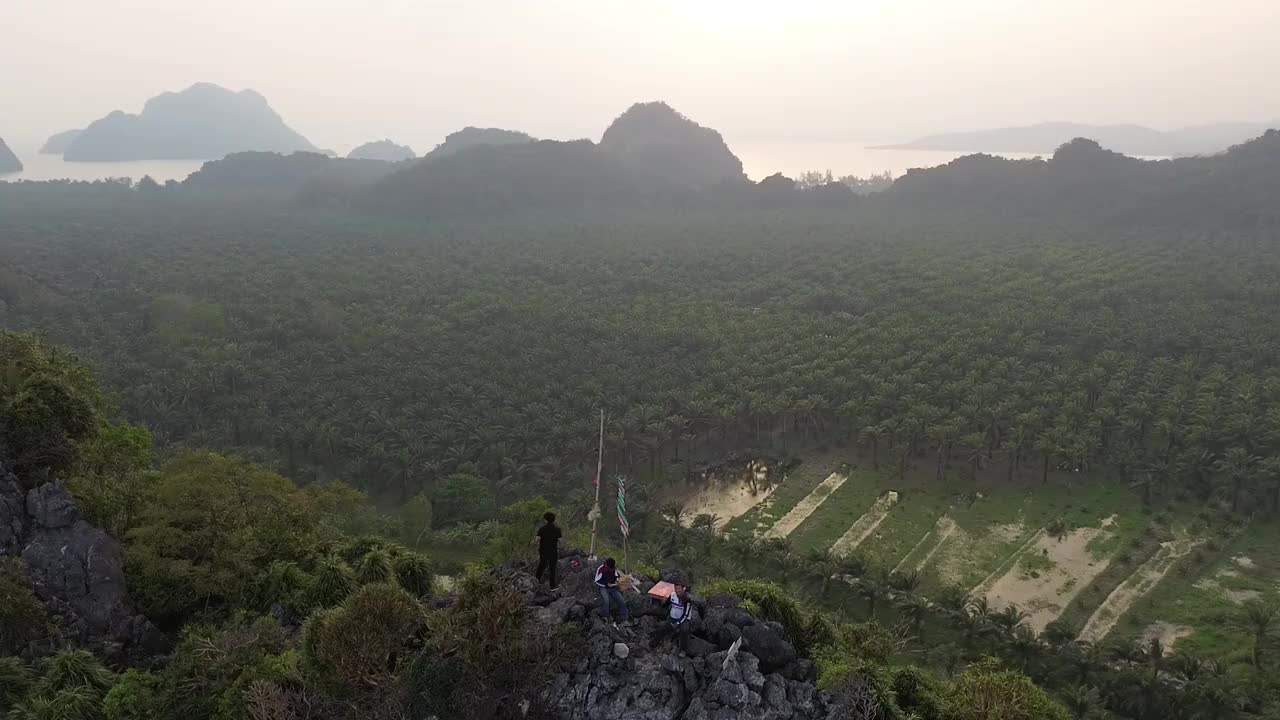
(625, 675)
(660, 144)
(8, 161)
(203, 122)
(76, 569)
(59, 142)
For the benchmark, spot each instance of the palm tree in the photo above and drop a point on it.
(914, 609)
(675, 512)
(906, 582)
(1022, 644)
(1238, 468)
(871, 591)
(1084, 702)
(822, 565)
(706, 523)
(1259, 618)
(1009, 618)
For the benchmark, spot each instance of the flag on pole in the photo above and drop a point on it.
(622, 507)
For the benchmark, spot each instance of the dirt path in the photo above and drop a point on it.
(865, 525)
(1048, 576)
(724, 501)
(806, 507)
(1134, 587)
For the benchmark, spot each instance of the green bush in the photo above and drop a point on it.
(769, 602)
(15, 680)
(984, 691)
(414, 573)
(22, 617)
(917, 692)
(135, 696)
(375, 568)
(462, 498)
(213, 525)
(356, 645)
(330, 584)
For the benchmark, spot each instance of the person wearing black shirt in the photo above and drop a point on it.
(548, 539)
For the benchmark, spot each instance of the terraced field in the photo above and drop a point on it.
(1072, 549)
(798, 484)
(1202, 599)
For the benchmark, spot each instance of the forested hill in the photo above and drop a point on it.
(485, 174)
(1084, 180)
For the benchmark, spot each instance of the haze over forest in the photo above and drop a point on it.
(415, 72)
(456, 363)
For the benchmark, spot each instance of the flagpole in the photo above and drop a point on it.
(599, 468)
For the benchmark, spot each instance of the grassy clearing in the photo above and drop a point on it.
(1136, 588)
(994, 528)
(1247, 563)
(797, 486)
(916, 514)
(806, 507)
(841, 509)
(1129, 545)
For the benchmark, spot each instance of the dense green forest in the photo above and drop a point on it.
(393, 355)
(290, 602)
(314, 414)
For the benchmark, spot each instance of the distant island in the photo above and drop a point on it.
(204, 121)
(382, 150)
(1128, 139)
(9, 163)
(58, 143)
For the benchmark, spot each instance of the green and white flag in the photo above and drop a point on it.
(622, 507)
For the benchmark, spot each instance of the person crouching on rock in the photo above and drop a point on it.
(548, 539)
(678, 616)
(607, 584)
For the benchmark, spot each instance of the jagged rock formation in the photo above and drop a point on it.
(76, 569)
(8, 161)
(621, 676)
(382, 150)
(203, 122)
(657, 142)
(469, 137)
(58, 143)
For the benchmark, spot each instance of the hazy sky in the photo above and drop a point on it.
(342, 72)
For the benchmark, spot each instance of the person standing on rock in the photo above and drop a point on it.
(678, 616)
(607, 584)
(548, 540)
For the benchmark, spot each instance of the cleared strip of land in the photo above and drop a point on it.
(1010, 561)
(914, 548)
(1062, 568)
(806, 507)
(1138, 584)
(865, 525)
(943, 530)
